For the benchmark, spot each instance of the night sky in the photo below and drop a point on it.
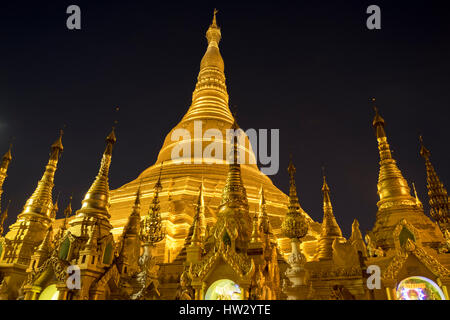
(308, 68)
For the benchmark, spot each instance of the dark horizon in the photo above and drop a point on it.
(307, 69)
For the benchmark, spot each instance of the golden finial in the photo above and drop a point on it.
(418, 202)
(57, 146)
(424, 152)
(213, 34)
(55, 205)
(255, 229)
(326, 193)
(214, 21)
(196, 224)
(7, 157)
(294, 204)
(291, 168)
(68, 209)
(377, 120)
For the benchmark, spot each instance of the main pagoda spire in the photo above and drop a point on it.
(439, 200)
(210, 97)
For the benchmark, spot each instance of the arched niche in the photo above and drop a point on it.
(419, 288)
(224, 289)
(49, 293)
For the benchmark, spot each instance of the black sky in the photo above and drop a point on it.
(305, 67)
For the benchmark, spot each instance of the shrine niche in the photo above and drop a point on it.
(224, 289)
(419, 288)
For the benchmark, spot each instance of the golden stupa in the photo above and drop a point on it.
(181, 181)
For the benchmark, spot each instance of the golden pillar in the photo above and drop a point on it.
(32, 292)
(391, 293)
(444, 288)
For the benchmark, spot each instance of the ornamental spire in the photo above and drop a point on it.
(210, 97)
(67, 213)
(330, 227)
(294, 204)
(40, 201)
(151, 230)
(438, 197)
(294, 225)
(234, 193)
(55, 208)
(96, 200)
(6, 160)
(264, 226)
(391, 183)
(132, 226)
(46, 243)
(196, 237)
(418, 202)
(255, 238)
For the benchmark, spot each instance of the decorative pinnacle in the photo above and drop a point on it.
(325, 191)
(294, 205)
(7, 157)
(55, 204)
(325, 185)
(196, 238)
(255, 230)
(377, 119)
(68, 210)
(158, 185)
(294, 225)
(213, 33)
(57, 147)
(45, 244)
(418, 202)
(291, 168)
(137, 201)
(151, 230)
(424, 152)
(67, 213)
(214, 21)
